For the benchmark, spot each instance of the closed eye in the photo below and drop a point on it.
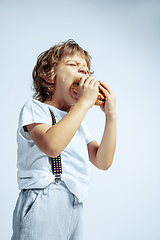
(72, 64)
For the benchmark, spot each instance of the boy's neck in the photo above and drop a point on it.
(58, 105)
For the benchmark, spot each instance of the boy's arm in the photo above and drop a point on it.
(53, 140)
(102, 155)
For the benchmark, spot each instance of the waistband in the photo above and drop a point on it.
(62, 187)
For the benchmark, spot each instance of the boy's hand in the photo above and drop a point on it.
(110, 104)
(88, 91)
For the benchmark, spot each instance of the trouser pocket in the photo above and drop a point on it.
(30, 199)
(26, 204)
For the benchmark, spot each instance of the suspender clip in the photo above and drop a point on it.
(57, 179)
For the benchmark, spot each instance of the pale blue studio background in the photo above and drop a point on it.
(123, 38)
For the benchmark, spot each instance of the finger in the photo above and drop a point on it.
(94, 83)
(88, 80)
(104, 90)
(82, 81)
(106, 86)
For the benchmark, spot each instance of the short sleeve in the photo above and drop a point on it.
(89, 138)
(33, 112)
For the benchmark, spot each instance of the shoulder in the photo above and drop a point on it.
(33, 104)
(34, 111)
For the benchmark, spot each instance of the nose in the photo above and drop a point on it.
(83, 70)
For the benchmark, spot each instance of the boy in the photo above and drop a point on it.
(45, 210)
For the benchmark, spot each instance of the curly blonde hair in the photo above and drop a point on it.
(44, 71)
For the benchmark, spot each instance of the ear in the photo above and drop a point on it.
(49, 80)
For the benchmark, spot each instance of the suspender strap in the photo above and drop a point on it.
(56, 161)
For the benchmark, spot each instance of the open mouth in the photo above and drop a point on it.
(73, 94)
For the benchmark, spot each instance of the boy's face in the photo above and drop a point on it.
(69, 68)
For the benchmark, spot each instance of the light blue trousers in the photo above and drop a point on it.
(53, 213)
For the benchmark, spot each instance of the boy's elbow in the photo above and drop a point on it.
(51, 151)
(106, 166)
(54, 152)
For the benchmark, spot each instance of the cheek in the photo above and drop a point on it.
(62, 75)
(62, 82)
(65, 76)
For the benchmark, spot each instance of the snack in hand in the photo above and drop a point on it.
(100, 98)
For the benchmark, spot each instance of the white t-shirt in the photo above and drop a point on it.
(34, 169)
